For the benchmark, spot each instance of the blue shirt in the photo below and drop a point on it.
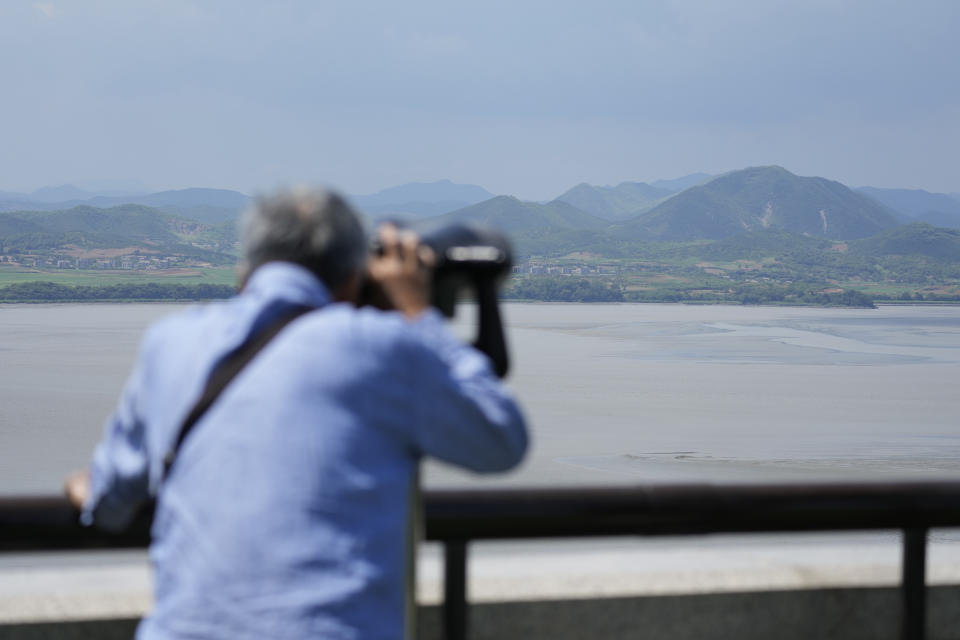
(284, 514)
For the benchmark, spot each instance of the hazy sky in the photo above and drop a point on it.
(527, 98)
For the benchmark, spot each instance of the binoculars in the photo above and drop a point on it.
(470, 260)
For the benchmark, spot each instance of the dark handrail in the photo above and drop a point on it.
(457, 517)
(689, 509)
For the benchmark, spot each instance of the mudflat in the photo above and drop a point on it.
(615, 393)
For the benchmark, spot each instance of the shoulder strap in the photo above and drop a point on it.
(224, 373)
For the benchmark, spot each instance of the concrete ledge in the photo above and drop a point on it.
(824, 614)
(741, 587)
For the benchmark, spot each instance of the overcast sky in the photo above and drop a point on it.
(526, 98)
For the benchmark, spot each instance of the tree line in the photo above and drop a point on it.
(799, 294)
(567, 289)
(54, 292)
(563, 289)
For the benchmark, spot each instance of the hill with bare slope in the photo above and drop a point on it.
(759, 198)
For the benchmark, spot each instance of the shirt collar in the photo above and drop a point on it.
(289, 282)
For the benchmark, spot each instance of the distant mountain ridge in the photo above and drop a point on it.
(760, 234)
(61, 193)
(626, 200)
(939, 209)
(420, 199)
(676, 185)
(212, 206)
(604, 219)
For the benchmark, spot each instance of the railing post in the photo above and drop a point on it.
(913, 588)
(455, 590)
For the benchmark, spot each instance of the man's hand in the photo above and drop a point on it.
(402, 272)
(77, 488)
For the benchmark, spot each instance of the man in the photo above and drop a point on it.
(284, 512)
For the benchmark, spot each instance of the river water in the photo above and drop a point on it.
(615, 394)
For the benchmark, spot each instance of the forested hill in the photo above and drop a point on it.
(762, 198)
(110, 226)
(12, 226)
(85, 228)
(918, 239)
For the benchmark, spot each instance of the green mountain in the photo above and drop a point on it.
(207, 214)
(135, 226)
(761, 198)
(12, 225)
(754, 245)
(626, 200)
(512, 215)
(917, 240)
(115, 225)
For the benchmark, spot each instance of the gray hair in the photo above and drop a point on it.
(314, 228)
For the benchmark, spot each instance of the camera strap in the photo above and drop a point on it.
(225, 372)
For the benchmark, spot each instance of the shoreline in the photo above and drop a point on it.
(717, 303)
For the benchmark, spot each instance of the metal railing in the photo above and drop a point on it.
(455, 518)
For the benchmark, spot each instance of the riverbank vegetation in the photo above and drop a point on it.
(148, 291)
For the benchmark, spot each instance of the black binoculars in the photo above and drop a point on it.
(473, 260)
